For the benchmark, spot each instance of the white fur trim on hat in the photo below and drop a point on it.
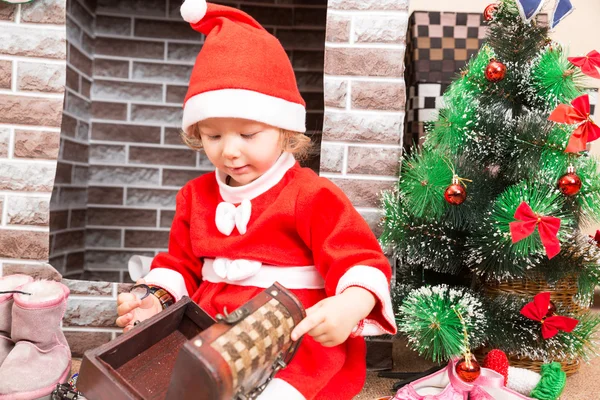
(193, 11)
(247, 104)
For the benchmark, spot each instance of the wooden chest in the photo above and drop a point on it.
(182, 353)
(139, 364)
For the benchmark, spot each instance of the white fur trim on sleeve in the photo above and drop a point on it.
(374, 280)
(168, 279)
(279, 389)
(139, 267)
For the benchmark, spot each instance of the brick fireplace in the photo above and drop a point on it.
(90, 105)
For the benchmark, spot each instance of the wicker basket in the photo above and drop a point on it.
(562, 292)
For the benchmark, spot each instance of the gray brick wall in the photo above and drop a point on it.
(124, 97)
(69, 197)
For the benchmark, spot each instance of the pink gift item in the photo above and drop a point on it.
(8, 285)
(41, 357)
(446, 385)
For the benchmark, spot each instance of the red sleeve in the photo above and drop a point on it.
(178, 271)
(346, 252)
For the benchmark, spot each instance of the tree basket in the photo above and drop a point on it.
(562, 292)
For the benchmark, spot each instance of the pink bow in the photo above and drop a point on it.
(489, 386)
(488, 379)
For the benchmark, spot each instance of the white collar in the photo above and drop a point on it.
(254, 189)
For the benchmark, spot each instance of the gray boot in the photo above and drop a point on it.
(41, 357)
(8, 284)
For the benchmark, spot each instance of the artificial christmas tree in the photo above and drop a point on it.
(494, 203)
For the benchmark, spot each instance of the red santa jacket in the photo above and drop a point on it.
(288, 220)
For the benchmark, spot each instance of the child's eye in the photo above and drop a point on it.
(213, 137)
(248, 135)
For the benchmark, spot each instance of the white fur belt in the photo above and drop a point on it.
(254, 273)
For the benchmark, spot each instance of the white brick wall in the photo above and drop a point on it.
(364, 99)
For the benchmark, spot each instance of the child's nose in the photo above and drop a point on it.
(231, 149)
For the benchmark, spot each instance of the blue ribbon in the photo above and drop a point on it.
(562, 9)
(530, 8)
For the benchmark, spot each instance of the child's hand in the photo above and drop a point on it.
(331, 320)
(130, 309)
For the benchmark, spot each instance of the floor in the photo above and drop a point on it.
(583, 385)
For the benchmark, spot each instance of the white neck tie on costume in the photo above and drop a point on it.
(229, 216)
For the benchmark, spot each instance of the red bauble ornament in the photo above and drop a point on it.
(469, 370)
(495, 71)
(488, 13)
(551, 310)
(569, 184)
(456, 193)
(498, 361)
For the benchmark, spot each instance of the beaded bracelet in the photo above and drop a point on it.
(142, 291)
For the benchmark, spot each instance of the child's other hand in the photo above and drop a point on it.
(331, 320)
(130, 309)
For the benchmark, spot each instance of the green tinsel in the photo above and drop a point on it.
(418, 241)
(553, 79)
(433, 327)
(522, 337)
(511, 39)
(472, 78)
(425, 177)
(552, 383)
(454, 125)
(491, 247)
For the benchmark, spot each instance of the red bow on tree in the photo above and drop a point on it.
(525, 225)
(588, 64)
(577, 113)
(537, 310)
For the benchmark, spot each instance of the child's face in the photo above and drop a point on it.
(241, 148)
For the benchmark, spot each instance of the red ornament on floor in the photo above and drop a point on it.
(496, 360)
(455, 194)
(570, 184)
(488, 13)
(469, 370)
(495, 71)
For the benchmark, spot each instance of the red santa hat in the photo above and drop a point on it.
(242, 71)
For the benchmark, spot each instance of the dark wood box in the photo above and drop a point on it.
(139, 363)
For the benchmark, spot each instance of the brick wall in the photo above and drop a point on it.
(142, 58)
(32, 78)
(70, 195)
(364, 99)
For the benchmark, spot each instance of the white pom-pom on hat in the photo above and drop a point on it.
(193, 11)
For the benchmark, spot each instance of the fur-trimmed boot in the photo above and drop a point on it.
(8, 285)
(41, 357)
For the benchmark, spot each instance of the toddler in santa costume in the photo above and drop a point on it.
(261, 218)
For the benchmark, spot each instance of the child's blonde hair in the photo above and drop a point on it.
(293, 142)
